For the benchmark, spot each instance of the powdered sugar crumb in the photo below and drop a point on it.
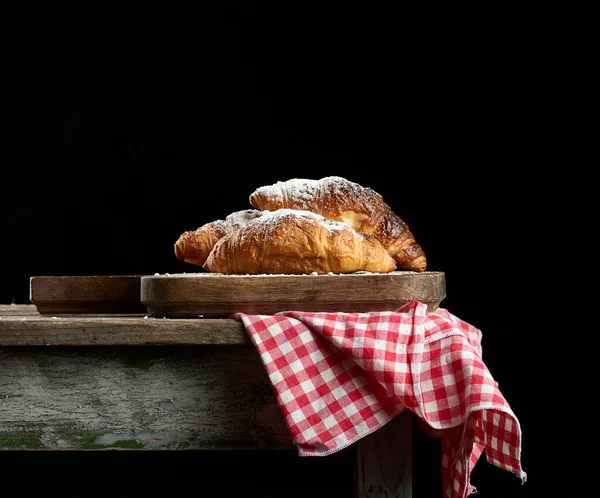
(304, 190)
(271, 275)
(240, 218)
(272, 217)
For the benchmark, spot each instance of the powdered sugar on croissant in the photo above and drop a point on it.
(360, 207)
(194, 246)
(297, 242)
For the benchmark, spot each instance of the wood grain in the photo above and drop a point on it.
(86, 294)
(210, 294)
(24, 326)
(138, 398)
(17, 310)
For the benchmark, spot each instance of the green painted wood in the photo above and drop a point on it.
(205, 397)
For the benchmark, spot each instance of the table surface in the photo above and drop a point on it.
(76, 397)
(132, 381)
(22, 325)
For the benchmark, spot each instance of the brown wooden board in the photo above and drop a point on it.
(86, 294)
(213, 294)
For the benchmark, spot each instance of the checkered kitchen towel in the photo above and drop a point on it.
(340, 376)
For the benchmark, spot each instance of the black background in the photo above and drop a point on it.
(133, 123)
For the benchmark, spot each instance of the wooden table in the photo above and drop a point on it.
(137, 383)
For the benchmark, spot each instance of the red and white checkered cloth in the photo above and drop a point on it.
(340, 376)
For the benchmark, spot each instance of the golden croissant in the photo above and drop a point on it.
(289, 241)
(194, 246)
(339, 199)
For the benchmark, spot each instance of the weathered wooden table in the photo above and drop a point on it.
(133, 382)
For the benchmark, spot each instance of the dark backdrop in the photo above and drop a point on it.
(134, 123)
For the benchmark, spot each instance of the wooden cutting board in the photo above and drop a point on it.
(86, 294)
(214, 294)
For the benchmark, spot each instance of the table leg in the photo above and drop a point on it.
(384, 460)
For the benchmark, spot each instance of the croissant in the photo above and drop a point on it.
(339, 199)
(194, 246)
(297, 242)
